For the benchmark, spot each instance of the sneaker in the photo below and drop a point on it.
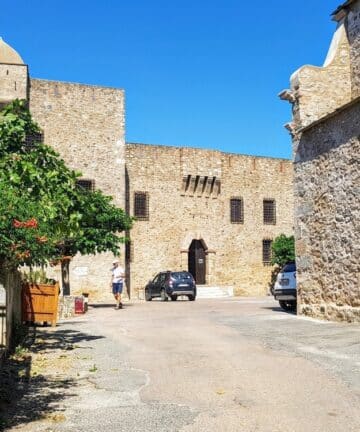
(120, 306)
(117, 307)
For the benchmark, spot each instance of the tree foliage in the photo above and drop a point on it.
(283, 250)
(43, 213)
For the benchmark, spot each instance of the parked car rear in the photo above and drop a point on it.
(285, 287)
(171, 285)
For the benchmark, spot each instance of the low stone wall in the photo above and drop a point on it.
(66, 308)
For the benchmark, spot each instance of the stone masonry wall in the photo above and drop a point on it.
(177, 216)
(13, 82)
(327, 190)
(313, 87)
(85, 124)
(353, 31)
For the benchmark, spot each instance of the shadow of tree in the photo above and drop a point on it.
(61, 339)
(26, 397)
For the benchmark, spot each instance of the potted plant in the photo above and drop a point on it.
(40, 296)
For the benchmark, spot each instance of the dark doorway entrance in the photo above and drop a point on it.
(197, 261)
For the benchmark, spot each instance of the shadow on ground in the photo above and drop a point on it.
(279, 309)
(27, 395)
(108, 305)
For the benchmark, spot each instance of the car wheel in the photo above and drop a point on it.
(174, 297)
(163, 295)
(148, 296)
(287, 306)
(191, 297)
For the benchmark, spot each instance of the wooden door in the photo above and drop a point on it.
(197, 262)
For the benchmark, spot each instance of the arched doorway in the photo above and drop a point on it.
(197, 261)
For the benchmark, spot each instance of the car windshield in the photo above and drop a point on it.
(181, 275)
(290, 267)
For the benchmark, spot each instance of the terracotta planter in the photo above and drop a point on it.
(40, 303)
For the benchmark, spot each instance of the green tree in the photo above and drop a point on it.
(283, 250)
(44, 215)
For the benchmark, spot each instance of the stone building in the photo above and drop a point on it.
(326, 133)
(207, 211)
(210, 212)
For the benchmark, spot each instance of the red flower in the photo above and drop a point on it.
(17, 224)
(31, 223)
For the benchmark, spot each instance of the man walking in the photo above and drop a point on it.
(117, 282)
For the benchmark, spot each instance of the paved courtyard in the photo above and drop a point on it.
(210, 365)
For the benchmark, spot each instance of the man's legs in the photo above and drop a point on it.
(117, 290)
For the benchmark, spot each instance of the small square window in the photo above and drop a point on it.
(141, 205)
(237, 210)
(269, 211)
(86, 184)
(266, 252)
(32, 139)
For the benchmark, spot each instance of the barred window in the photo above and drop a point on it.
(267, 252)
(31, 139)
(86, 184)
(141, 205)
(269, 211)
(236, 210)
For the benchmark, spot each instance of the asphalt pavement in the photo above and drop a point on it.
(210, 365)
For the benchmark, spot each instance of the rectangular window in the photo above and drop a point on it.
(267, 252)
(269, 211)
(86, 184)
(32, 139)
(237, 210)
(141, 205)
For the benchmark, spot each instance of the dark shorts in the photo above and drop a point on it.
(117, 287)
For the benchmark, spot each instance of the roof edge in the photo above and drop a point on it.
(340, 12)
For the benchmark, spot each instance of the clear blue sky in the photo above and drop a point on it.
(196, 73)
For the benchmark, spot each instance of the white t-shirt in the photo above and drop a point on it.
(118, 273)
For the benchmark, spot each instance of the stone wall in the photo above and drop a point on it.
(313, 91)
(353, 31)
(327, 190)
(10, 280)
(13, 82)
(177, 214)
(326, 130)
(86, 125)
(312, 87)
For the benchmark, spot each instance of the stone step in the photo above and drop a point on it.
(205, 291)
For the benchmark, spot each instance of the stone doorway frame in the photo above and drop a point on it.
(209, 254)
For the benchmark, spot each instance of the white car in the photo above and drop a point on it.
(285, 287)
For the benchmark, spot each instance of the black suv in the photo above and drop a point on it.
(171, 284)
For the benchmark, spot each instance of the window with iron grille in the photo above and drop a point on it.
(86, 184)
(33, 138)
(237, 210)
(141, 205)
(266, 252)
(269, 210)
